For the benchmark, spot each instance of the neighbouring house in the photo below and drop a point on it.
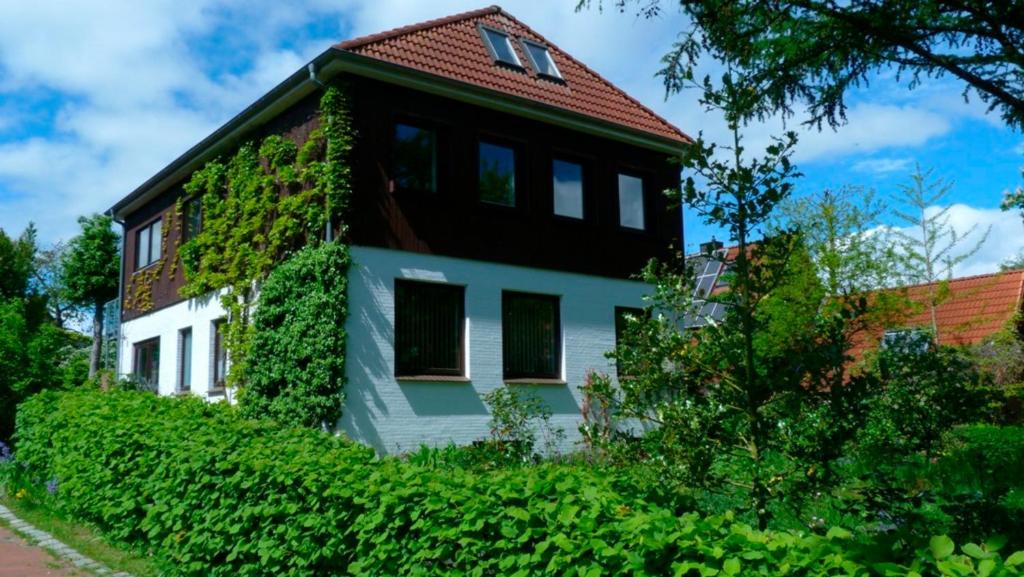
(524, 279)
(970, 311)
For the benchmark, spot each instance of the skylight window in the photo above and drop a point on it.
(500, 46)
(541, 59)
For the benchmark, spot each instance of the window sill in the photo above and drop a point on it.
(432, 379)
(527, 381)
(216, 392)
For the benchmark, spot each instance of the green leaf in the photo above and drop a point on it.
(941, 546)
(1015, 559)
(731, 566)
(838, 533)
(975, 551)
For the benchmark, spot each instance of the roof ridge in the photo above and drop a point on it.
(965, 278)
(424, 25)
(590, 70)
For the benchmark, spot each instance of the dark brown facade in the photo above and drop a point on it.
(452, 221)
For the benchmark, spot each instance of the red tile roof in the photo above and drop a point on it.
(451, 47)
(973, 309)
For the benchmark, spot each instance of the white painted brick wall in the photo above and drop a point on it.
(397, 416)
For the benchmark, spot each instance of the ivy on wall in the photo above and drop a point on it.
(138, 290)
(259, 207)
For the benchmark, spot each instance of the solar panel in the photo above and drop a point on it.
(709, 270)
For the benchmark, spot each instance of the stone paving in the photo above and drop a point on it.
(19, 559)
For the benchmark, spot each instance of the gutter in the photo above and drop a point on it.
(335, 61)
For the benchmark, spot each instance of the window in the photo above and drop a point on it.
(429, 321)
(541, 59)
(907, 341)
(414, 158)
(185, 359)
(146, 362)
(500, 46)
(530, 336)
(622, 320)
(631, 202)
(147, 244)
(220, 355)
(567, 183)
(497, 174)
(193, 212)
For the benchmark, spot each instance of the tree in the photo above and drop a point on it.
(17, 262)
(927, 255)
(48, 281)
(1015, 262)
(90, 274)
(813, 51)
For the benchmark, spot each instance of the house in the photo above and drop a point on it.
(527, 277)
(970, 311)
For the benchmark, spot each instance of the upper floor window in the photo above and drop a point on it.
(631, 201)
(193, 213)
(146, 362)
(497, 174)
(531, 338)
(541, 59)
(414, 158)
(147, 244)
(500, 46)
(567, 183)
(429, 320)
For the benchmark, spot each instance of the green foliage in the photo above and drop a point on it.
(812, 51)
(922, 394)
(17, 262)
(260, 206)
(297, 366)
(517, 417)
(90, 274)
(214, 495)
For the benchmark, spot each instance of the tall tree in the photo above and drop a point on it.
(90, 276)
(48, 281)
(17, 262)
(813, 51)
(934, 248)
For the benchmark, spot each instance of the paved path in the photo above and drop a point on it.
(19, 559)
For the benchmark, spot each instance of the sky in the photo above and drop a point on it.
(95, 97)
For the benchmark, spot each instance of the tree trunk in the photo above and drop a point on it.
(97, 340)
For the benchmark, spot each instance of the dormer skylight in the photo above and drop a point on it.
(500, 46)
(541, 59)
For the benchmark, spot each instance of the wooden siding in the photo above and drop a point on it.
(452, 222)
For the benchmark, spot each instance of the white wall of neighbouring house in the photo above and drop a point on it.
(166, 324)
(398, 416)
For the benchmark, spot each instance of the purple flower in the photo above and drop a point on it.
(51, 486)
(5, 453)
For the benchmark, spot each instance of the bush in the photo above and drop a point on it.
(296, 366)
(212, 494)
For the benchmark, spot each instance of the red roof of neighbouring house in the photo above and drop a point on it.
(452, 48)
(971, 308)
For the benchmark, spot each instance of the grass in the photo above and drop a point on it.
(81, 538)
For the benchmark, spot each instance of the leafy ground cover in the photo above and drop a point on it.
(209, 493)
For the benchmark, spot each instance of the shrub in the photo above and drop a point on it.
(212, 494)
(296, 366)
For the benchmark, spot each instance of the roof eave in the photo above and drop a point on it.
(335, 61)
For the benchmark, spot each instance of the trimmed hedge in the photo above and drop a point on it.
(212, 494)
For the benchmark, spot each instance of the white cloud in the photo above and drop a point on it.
(1005, 239)
(883, 165)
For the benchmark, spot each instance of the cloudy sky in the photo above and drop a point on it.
(95, 97)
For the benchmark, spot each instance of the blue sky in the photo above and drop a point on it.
(96, 97)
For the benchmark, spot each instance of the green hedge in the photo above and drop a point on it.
(212, 494)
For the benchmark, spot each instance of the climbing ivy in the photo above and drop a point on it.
(139, 290)
(260, 206)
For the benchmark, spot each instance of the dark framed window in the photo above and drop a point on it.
(499, 45)
(185, 359)
(531, 335)
(146, 362)
(429, 329)
(567, 188)
(631, 202)
(220, 355)
(622, 316)
(540, 58)
(193, 218)
(414, 158)
(497, 175)
(147, 244)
